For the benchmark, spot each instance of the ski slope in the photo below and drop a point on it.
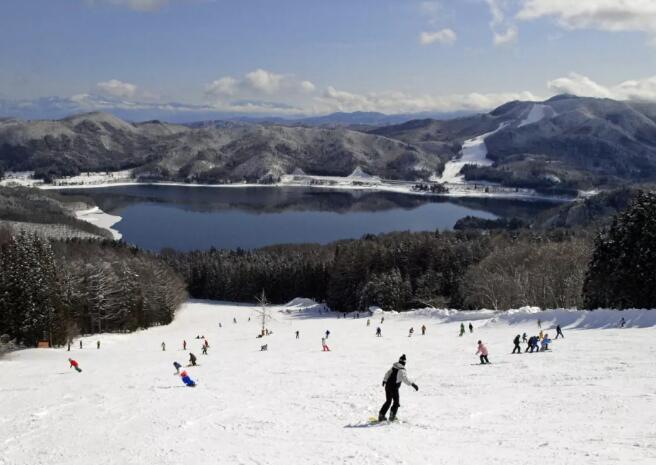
(591, 400)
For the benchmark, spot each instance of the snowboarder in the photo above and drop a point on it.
(379, 332)
(517, 348)
(184, 345)
(482, 350)
(97, 344)
(462, 329)
(324, 345)
(392, 382)
(192, 359)
(411, 332)
(622, 322)
(298, 334)
(75, 365)
(559, 332)
(524, 337)
(163, 346)
(471, 328)
(423, 330)
(327, 334)
(177, 367)
(186, 379)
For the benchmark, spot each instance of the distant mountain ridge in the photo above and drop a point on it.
(563, 143)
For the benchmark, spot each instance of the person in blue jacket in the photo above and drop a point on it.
(186, 379)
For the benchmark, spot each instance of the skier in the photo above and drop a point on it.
(462, 329)
(204, 349)
(382, 319)
(539, 323)
(379, 332)
(545, 343)
(471, 328)
(622, 322)
(392, 382)
(368, 322)
(524, 337)
(192, 359)
(483, 351)
(517, 348)
(541, 335)
(423, 330)
(163, 346)
(324, 345)
(411, 332)
(220, 325)
(184, 344)
(177, 367)
(97, 344)
(80, 343)
(69, 346)
(327, 334)
(532, 344)
(186, 379)
(75, 365)
(234, 320)
(559, 332)
(298, 333)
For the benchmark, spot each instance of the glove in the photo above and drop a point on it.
(415, 386)
(383, 383)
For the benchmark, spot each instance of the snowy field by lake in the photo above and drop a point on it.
(591, 400)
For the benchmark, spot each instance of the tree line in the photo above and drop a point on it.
(55, 290)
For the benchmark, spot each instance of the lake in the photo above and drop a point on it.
(191, 217)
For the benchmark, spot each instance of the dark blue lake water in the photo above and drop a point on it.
(187, 218)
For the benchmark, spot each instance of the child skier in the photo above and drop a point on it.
(324, 345)
(177, 367)
(545, 343)
(186, 379)
(517, 348)
(392, 382)
(483, 351)
(75, 365)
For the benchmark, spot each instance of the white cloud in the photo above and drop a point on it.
(223, 86)
(503, 31)
(604, 15)
(117, 88)
(506, 37)
(136, 5)
(259, 82)
(577, 84)
(399, 102)
(444, 36)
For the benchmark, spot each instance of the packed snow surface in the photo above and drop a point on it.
(101, 219)
(474, 152)
(591, 400)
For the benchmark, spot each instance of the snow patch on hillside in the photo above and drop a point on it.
(101, 219)
(537, 113)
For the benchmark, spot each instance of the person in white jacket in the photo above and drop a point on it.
(392, 381)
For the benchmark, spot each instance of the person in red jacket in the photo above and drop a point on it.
(75, 365)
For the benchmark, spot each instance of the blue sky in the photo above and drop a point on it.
(316, 56)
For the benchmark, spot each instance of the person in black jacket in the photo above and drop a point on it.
(559, 332)
(392, 382)
(517, 348)
(192, 359)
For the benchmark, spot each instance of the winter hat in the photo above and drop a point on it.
(402, 359)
